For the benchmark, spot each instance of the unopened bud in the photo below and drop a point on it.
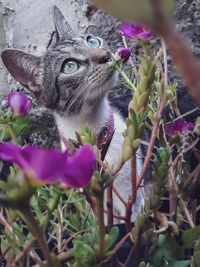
(122, 54)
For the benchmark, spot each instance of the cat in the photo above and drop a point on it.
(72, 79)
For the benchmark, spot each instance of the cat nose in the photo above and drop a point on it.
(100, 56)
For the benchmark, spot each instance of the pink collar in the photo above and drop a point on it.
(106, 132)
(105, 136)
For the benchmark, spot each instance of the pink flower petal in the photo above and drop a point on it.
(178, 127)
(80, 167)
(48, 166)
(135, 31)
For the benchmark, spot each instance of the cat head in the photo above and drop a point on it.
(72, 72)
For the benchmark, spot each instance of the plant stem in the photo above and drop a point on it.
(173, 190)
(155, 129)
(119, 196)
(118, 246)
(133, 196)
(62, 257)
(53, 206)
(133, 67)
(12, 134)
(134, 251)
(186, 212)
(118, 168)
(34, 227)
(151, 144)
(2, 257)
(125, 77)
(43, 222)
(110, 206)
(165, 78)
(101, 225)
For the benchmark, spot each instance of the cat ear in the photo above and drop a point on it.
(23, 67)
(63, 29)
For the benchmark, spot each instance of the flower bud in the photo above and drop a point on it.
(141, 219)
(141, 128)
(19, 103)
(87, 136)
(143, 99)
(136, 143)
(131, 132)
(122, 54)
(126, 150)
(142, 264)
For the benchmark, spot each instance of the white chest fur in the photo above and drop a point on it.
(97, 120)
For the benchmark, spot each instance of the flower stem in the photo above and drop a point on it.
(101, 225)
(117, 169)
(186, 212)
(125, 77)
(133, 196)
(43, 222)
(33, 225)
(110, 206)
(52, 207)
(12, 133)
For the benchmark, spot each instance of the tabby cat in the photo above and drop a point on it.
(71, 79)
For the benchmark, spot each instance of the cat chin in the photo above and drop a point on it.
(99, 92)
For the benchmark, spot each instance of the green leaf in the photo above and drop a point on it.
(113, 235)
(35, 206)
(168, 251)
(4, 133)
(190, 236)
(185, 263)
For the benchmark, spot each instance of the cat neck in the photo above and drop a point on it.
(96, 116)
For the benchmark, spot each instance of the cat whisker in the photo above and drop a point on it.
(83, 90)
(80, 93)
(73, 99)
(97, 81)
(83, 87)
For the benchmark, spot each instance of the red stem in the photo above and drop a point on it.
(118, 168)
(151, 144)
(110, 206)
(119, 196)
(133, 196)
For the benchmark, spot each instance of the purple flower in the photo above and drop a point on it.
(122, 54)
(49, 166)
(80, 167)
(135, 31)
(178, 127)
(19, 103)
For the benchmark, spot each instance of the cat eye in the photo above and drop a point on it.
(70, 67)
(93, 41)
